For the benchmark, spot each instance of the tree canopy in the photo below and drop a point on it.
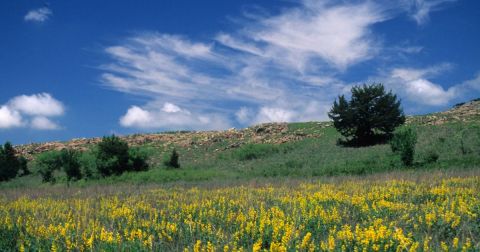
(370, 116)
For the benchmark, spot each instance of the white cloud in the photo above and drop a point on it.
(282, 67)
(43, 123)
(420, 10)
(269, 64)
(38, 15)
(37, 104)
(267, 114)
(417, 86)
(171, 108)
(9, 118)
(31, 111)
(473, 84)
(136, 117)
(428, 93)
(244, 115)
(172, 117)
(338, 34)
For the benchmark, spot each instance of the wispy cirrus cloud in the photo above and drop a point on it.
(275, 67)
(283, 67)
(39, 15)
(34, 111)
(419, 10)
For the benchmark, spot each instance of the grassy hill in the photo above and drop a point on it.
(298, 150)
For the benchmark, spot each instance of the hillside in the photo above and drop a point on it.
(449, 139)
(269, 133)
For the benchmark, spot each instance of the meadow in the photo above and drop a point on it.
(311, 194)
(419, 211)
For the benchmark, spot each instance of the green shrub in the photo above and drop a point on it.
(404, 142)
(9, 163)
(137, 160)
(112, 156)
(255, 151)
(70, 164)
(431, 157)
(48, 163)
(172, 161)
(88, 164)
(23, 162)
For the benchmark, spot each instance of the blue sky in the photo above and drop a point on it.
(71, 69)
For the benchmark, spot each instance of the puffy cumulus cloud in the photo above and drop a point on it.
(37, 104)
(428, 93)
(171, 108)
(9, 118)
(43, 123)
(39, 15)
(284, 111)
(136, 117)
(172, 117)
(416, 85)
(31, 111)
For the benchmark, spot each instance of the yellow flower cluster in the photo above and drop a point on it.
(348, 216)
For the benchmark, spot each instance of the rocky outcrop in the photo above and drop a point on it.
(464, 112)
(274, 133)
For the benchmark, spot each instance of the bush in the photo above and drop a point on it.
(9, 163)
(88, 164)
(70, 164)
(370, 116)
(112, 156)
(137, 160)
(404, 142)
(23, 162)
(431, 157)
(48, 163)
(173, 160)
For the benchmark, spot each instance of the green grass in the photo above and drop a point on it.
(456, 144)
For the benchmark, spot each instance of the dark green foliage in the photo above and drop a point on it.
(403, 142)
(48, 163)
(112, 156)
(370, 116)
(137, 160)
(70, 164)
(23, 166)
(9, 163)
(172, 162)
(431, 157)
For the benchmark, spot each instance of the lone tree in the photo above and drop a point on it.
(173, 160)
(112, 156)
(370, 116)
(9, 163)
